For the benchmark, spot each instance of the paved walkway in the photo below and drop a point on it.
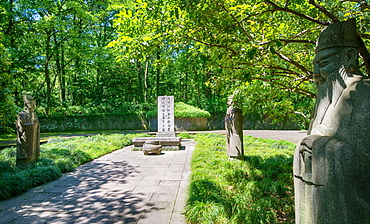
(122, 187)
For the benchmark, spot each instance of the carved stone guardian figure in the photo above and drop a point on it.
(28, 133)
(234, 130)
(332, 164)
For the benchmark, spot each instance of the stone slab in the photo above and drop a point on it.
(166, 134)
(165, 142)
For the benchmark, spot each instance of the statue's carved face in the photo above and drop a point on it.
(326, 63)
(230, 101)
(31, 106)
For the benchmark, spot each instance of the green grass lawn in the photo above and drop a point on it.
(258, 189)
(6, 139)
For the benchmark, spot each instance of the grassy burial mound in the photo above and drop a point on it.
(258, 189)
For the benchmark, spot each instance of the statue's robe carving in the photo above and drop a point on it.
(332, 164)
(28, 135)
(234, 132)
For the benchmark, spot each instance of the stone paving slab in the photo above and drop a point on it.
(122, 187)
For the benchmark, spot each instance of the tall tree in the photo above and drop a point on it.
(8, 109)
(248, 41)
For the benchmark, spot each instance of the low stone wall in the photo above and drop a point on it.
(92, 122)
(217, 122)
(183, 124)
(134, 122)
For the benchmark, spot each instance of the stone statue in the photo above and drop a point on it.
(332, 163)
(28, 133)
(234, 130)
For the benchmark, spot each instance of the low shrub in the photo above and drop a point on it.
(185, 110)
(257, 189)
(185, 135)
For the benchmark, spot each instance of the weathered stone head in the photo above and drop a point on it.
(340, 34)
(29, 103)
(230, 100)
(337, 52)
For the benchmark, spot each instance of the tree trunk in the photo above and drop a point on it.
(47, 71)
(139, 72)
(158, 74)
(186, 86)
(62, 76)
(146, 81)
(58, 63)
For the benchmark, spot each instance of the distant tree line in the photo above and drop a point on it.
(109, 56)
(56, 50)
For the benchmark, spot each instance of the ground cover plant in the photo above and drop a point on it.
(185, 135)
(11, 137)
(57, 156)
(257, 189)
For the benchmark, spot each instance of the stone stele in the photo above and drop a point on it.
(332, 164)
(28, 133)
(234, 130)
(166, 117)
(166, 136)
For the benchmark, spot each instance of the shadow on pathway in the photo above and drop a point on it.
(122, 187)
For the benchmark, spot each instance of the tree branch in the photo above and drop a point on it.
(323, 10)
(365, 36)
(300, 113)
(365, 55)
(238, 22)
(302, 68)
(287, 41)
(208, 44)
(288, 71)
(305, 31)
(286, 4)
(294, 89)
(278, 8)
